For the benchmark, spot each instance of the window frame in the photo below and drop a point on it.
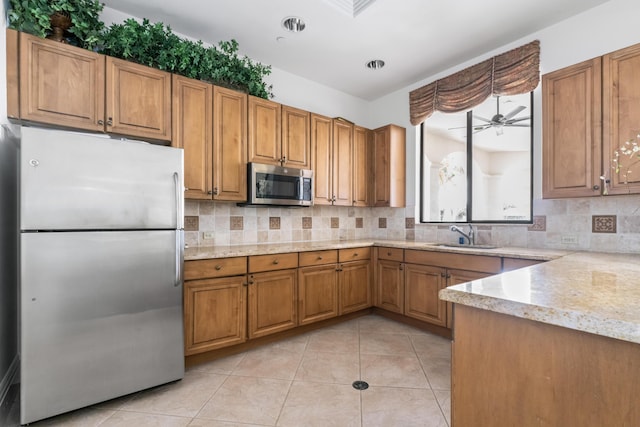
(469, 175)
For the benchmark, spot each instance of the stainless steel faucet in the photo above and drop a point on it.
(470, 236)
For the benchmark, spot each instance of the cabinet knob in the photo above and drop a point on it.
(333, 199)
(110, 121)
(596, 187)
(210, 192)
(401, 267)
(101, 122)
(218, 267)
(388, 253)
(251, 282)
(215, 191)
(186, 188)
(275, 261)
(355, 254)
(443, 275)
(319, 258)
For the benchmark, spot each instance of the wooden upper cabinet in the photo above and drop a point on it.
(296, 137)
(321, 159)
(229, 145)
(59, 84)
(621, 115)
(138, 100)
(193, 131)
(389, 166)
(264, 131)
(571, 117)
(342, 163)
(362, 151)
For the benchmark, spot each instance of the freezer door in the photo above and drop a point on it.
(101, 317)
(72, 181)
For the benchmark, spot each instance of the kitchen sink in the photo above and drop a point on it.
(459, 246)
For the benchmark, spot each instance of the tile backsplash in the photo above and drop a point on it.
(607, 224)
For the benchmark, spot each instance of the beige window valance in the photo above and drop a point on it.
(514, 72)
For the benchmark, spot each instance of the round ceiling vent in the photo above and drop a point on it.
(375, 64)
(293, 24)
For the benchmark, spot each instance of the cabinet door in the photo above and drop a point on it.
(422, 284)
(455, 277)
(272, 302)
(193, 131)
(138, 100)
(264, 131)
(318, 293)
(214, 313)
(61, 84)
(389, 166)
(321, 155)
(571, 132)
(621, 115)
(229, 145)
(390, 286)
(296, 137)
(342, 163)
(362, 151)
(354, 286)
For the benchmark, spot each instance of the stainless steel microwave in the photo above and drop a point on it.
(276, 185)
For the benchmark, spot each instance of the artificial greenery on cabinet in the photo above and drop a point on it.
(34, 17)
(157, 46)
(151, 44)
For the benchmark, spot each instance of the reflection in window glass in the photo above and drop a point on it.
(499, 170)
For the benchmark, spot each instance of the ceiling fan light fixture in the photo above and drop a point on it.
(375, 64)
(293, 24)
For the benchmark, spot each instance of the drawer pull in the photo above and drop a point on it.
(275, 261)
(388, 253)
(355, 254)
(319, 258)
(218, 267)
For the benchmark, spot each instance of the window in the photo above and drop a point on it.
(476, 166)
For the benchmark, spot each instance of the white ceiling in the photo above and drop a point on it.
(416, 38)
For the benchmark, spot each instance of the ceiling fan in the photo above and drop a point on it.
(499, 121)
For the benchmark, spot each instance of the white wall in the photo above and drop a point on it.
(608, 27)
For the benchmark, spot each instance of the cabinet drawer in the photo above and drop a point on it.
(392, 254)
(273, 262)
(219, 267)
(354, 254)
(318, 258)
(487, 264)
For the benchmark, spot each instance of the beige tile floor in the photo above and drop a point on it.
(302, 381)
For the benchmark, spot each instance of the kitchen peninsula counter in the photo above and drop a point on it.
(557, 343)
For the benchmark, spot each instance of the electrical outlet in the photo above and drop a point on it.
(208, 235)
(569, 239)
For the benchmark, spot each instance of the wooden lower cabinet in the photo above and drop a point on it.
(272, 302)
(215, 313)
(330, 286)
(422, 284)
(390, 285)
(318, 293)
(354, 286)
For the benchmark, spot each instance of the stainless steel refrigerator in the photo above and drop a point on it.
(101, 252)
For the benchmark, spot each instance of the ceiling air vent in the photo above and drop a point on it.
(350, 7)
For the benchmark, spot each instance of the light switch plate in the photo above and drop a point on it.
(208, 234)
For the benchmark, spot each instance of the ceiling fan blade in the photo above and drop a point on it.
(518, 125)
(482, 127)
(519, 119)
(481, 118)
(459, 127)
(514, 111)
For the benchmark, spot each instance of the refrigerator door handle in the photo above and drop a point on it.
(176, 184)
(179, 257)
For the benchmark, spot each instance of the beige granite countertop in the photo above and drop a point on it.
(586, 291)
(209, 252)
